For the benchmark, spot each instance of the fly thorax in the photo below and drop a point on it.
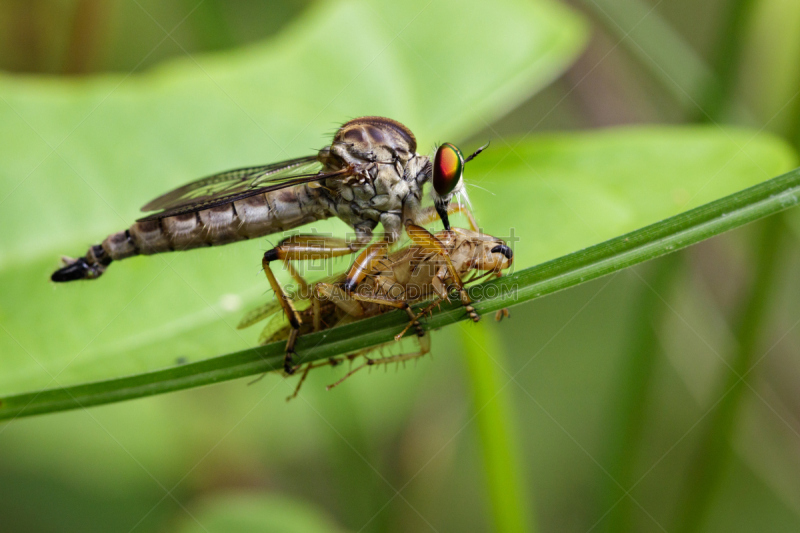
(386, 174)
(373, 139)
(389, 189)
(417, 173)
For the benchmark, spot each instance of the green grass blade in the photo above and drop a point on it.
(658, 239)
(491, 401)
(634, 390)
(714, 451)
(727, 62)
(657, 46)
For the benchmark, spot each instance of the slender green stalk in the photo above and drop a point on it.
(659, 48)
(636, 387)
(621, 252)
(793, 129)
(510, 506)
(714, 451)
(727, 61)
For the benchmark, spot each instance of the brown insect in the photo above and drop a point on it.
(371, 173)
(431, 268)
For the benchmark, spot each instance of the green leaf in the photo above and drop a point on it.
(79, 157)
(565, 192)
(248, 512)
(562, 193)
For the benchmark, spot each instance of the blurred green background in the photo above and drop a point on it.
(609, 407)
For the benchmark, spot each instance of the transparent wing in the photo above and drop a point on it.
(258, 314)
(227, 187)
(269, 311)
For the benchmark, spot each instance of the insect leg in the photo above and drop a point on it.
(309, 367)
(301, 247)
(414, 322)
(424, 348)
(429, 214)
(343, 300)
(316, 312)
(301, 380)
(307, 247)
(302, 284)
(333, 361)
(398, 304)
(428, 243)
(288, 308)
(365, 263)
(349, 301)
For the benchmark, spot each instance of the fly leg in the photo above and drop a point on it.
(342, 300)
(429, 214)
(365, 263)
(414, 322)
(350, 300)
(351, 303)
(302, 247)
(288, 308)
(428, 243)
(333, 361)
(424, 348)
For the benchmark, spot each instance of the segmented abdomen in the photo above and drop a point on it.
(255, 216)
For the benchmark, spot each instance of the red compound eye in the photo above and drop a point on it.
(448, 166)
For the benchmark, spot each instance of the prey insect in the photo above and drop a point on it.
(371, 173)
(432, 267)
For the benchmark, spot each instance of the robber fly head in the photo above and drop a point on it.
(448, 171)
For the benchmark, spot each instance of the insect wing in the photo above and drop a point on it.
(227, 187)
(258, 314)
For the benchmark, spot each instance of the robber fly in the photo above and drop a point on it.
(379, 281)
(371, 173)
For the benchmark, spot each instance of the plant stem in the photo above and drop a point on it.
(636, 384)
(658, 239)
(658, 47)
(727, 61)
(714, 451)
(491, 402)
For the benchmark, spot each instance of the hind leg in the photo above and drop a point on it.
(299, 248)
(428, 243)
(424, 348)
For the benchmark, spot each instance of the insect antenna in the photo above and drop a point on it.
(476, 152)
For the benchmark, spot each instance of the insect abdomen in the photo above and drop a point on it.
(251, 217)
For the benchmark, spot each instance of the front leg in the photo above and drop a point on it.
(427, 215)
(428, 243)
(424, 342)
(298, 248)
(288, 308)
